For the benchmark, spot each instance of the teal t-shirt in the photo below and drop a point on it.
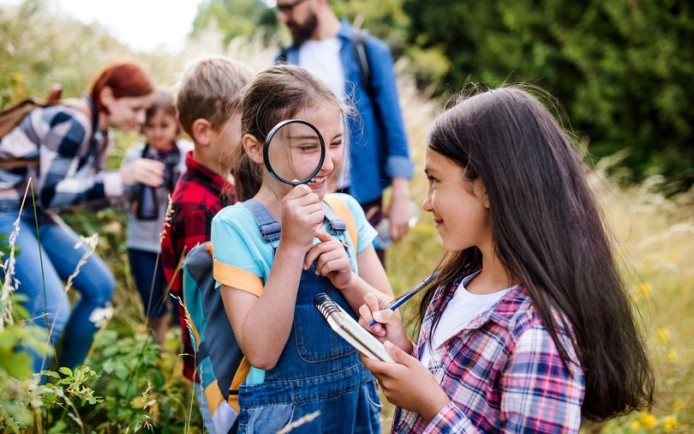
(237, 241)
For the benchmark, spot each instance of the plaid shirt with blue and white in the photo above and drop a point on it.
(503, 374)
(71, 160)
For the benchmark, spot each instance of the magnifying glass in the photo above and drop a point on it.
(294, 151)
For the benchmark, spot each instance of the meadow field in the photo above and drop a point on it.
(130, 385)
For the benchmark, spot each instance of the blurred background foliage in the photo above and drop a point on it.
(622, 70)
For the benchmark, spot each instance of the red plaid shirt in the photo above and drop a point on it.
(196, 198)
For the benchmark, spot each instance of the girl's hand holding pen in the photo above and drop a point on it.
(408, 295)
(388, 324)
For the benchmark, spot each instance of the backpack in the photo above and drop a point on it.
(359, 39)
(221, 366)
(12, 116)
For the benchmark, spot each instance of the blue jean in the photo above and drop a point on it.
(148, 274)
(47, 302)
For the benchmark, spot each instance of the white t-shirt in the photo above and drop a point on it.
(461, 309)
(322, 59)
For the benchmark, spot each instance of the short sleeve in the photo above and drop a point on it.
(239, 256)
(366, 232)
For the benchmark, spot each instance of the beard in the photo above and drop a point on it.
(303, 32)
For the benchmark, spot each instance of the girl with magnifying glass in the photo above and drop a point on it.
(278, 249)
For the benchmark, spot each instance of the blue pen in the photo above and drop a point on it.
(403, 298)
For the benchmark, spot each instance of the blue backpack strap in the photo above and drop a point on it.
(269, 227)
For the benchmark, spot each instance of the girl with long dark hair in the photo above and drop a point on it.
(527, 326)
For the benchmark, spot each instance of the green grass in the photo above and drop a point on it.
(655, 236)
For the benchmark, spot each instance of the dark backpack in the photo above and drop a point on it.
(217, 355)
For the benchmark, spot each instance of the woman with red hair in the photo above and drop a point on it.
(64, 148)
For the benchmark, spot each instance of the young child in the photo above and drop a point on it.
(299, 366)
(208, 102)
(161, 131)
(527, 327)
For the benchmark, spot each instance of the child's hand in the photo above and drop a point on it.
(331, 259)
(302, 215)
(407, 383)
(388, 323)
(144, 171)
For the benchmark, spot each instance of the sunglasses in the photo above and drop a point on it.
(287, 8)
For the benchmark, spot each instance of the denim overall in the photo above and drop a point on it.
(317, 371)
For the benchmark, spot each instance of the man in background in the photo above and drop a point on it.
(376, 141)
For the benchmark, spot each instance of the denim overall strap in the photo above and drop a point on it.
(335, 224)
(269, 227)
(318, 371)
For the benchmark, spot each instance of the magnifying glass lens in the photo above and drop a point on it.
(295, 153)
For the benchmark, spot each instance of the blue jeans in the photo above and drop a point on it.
(40, 270)
(148, 274)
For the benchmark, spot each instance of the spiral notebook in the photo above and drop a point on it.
(350, 330)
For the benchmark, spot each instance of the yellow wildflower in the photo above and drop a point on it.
(669, 423)
(645, 289)
(648, 420)
(672, 356)
(663, 335)
(673, 255)
(635, 425)
(137, 402)
(678, 405)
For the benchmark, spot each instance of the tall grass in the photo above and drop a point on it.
(655, 236)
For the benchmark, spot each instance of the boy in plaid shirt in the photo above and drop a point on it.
(208, 103)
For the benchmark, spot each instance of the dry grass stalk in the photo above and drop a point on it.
(91, 242)
(10, 284)
(299, 422)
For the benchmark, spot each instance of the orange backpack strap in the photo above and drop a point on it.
(342, 210)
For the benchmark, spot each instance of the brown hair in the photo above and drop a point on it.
(125, 78)
(164, 102)
(211, 88)
(276, 94)
(548, 232)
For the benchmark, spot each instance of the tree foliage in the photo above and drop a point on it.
(234, 17)
(619, 68)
